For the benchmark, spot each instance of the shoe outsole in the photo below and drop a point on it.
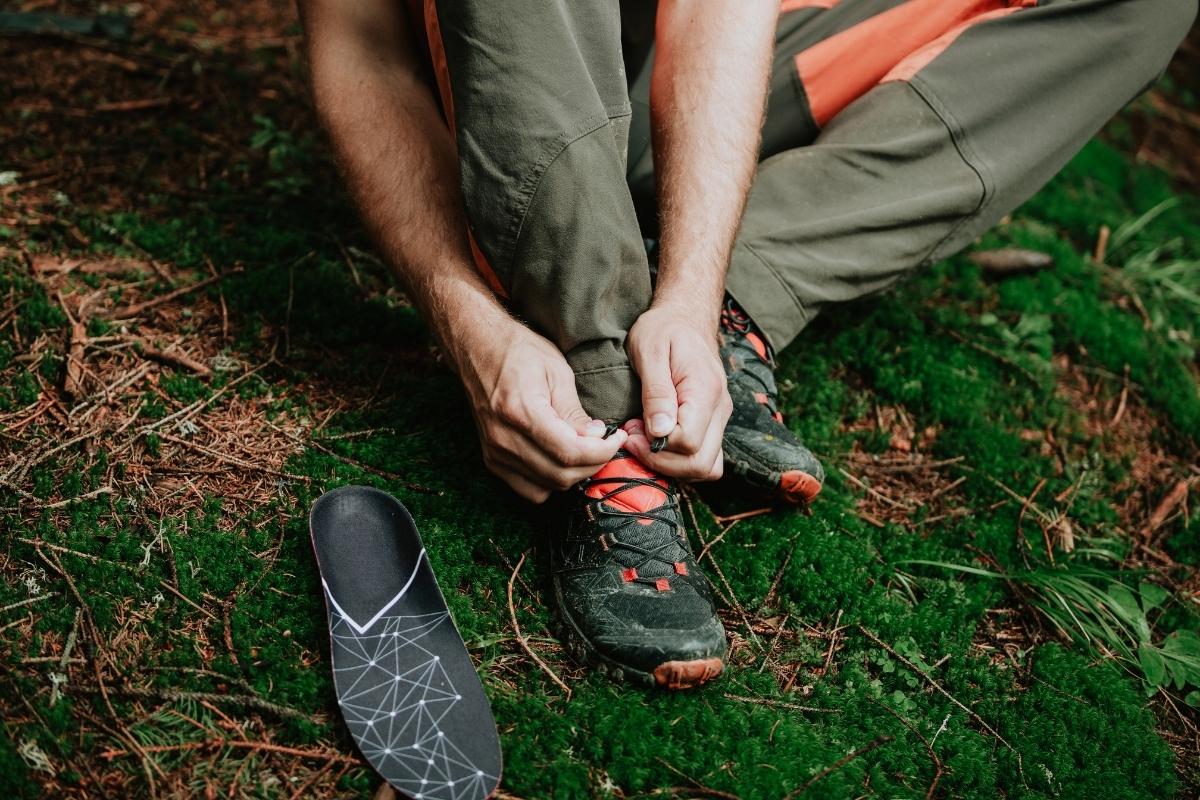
(798, 487)
(794, 487)
(687, 674)
(674, 674)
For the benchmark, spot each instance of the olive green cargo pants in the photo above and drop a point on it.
(897, 131)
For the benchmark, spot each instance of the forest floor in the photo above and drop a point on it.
(996, 595)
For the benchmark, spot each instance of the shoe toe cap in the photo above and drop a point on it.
(648, 649)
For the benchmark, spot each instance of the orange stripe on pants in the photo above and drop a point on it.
(842, 68)
(796, 5)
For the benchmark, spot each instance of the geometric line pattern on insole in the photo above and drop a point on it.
(394, 694)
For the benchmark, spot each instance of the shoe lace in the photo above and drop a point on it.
(665, 513)
(737, 322)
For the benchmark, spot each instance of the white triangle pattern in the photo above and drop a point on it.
(394, 709)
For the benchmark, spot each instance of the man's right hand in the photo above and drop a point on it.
(535, 434)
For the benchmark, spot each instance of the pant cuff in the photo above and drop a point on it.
(763, 295)
(612, 394)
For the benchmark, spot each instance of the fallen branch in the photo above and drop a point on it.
(174, 696)
(176, 359)
(28, 601)
(922, 674)
(764, 701)
(138, 308)
(939, 768)
(1172, 500)
(876, 743)
(240, 744)
(512, 611)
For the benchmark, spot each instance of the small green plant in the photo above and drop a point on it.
(1028, 342)
(1164, 282)
(289, 157)
(1092, 607)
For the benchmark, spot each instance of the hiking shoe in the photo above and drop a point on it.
(757, 445)
(630, 598)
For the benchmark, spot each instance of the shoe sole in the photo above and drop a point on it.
(673, 675)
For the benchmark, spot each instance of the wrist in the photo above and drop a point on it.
(701, 309)
(469, 322)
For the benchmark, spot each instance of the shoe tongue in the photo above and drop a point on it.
(635, 499)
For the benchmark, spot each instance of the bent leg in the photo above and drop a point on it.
(922, 149)
(536, 95)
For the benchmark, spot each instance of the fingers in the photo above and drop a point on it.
(564, 446)
(706, 464)
(704, 409)
(659, 401)
(537, 452)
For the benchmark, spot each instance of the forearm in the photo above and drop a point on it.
(707, 99)
(398, 159)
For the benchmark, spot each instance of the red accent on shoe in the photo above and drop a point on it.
(762, 398)
(687, 674)
(778, 417)
(604, 541)
(798, 487)
(680, 568)
(629, 574)
(635, 499)
(662, 584)
(759, 345)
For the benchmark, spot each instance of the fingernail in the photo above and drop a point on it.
(595, 428)
(661, 424)
(621, 437)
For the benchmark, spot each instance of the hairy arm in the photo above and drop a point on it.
(399, 161)
(707, 99)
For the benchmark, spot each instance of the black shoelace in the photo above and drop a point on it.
(736, 321)
(600, 506)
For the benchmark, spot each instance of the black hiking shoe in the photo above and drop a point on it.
(631, 600)
(758, 446)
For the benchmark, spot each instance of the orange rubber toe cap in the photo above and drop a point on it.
(799, 487)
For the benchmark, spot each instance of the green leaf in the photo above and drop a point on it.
(1182, 653)
(1192, 699)
(1153, 595)
(1183, 643)
(1122, 599)
(1154, 666)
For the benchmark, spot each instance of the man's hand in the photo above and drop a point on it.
(707, 97)
(684, 394)
(535, 434)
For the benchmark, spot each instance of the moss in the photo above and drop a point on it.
(1080, 727)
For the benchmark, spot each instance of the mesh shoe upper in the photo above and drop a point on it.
(757, 445)
(625, 575)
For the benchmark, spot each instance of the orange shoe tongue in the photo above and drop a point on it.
(635, 499)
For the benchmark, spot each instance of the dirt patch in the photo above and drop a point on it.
(180, 415)
(905, 479)
(1151, 495)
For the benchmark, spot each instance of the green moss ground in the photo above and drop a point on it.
(1076, 724)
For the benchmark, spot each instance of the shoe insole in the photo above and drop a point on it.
(406, 686)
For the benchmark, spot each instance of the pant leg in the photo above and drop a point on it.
(536, 95)
(948, 139)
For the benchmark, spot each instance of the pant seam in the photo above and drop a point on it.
(967, 153)
(528, 188)
(605, 368)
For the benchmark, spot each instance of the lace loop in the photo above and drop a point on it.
(665, 513)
